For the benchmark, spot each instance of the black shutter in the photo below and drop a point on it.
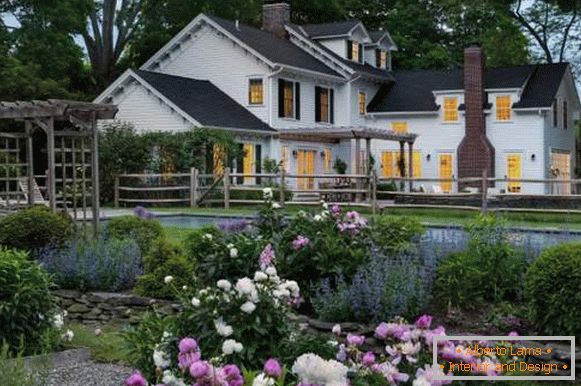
(360, 52)
(332, 106)
(349, 49)
(258, 152)
(297, 100)
(240, 163)
(281, 84)
(317, 104)
(378, 58)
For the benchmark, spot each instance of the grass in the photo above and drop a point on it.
(109, 347)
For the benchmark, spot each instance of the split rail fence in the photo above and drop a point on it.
(366, 190)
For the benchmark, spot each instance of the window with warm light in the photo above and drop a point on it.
(288, 100)
(362, 103)
(383, 59)
(255, 92)
(327, 160)
(503, 108)
(324, 105)
(355, 51)
(399, 127)
(450, 109)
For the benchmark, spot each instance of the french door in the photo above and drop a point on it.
(306, 167)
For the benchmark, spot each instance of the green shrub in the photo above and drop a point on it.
(553, 290)
(164, 259)
(490, 270)
(26, 305)
(393, 234)
(144, 231)
(35, 228)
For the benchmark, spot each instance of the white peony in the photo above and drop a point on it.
(233, 252)
(224, 285)
(168, 279)
(336, 329)
(58, 321)
(317, 217)
(68, 336)
(245, 286)
(276, 205)
(171, 380)
(230, 346)
(230, 246)
(267, 193)
(248, 307)
(325, 205)
(270, 271)
(222, 328)
(195, 302)
(161, 359)
(311, 368)
(263, 380)
(260, 276)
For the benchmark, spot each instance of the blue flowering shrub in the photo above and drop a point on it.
(29, 318)
(104, 264)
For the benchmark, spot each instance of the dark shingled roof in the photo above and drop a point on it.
(275, 49)
(412, 90)
(330, 29)
(376, 35)
(204, 102)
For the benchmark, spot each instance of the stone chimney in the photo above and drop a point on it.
(475, 153)
(275, 15)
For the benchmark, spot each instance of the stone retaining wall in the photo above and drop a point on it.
(102, 307)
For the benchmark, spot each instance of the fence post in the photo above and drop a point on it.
(373, 192)
(116, 193)
(281, 198)
(484, 208)
(226, 188)
(193, 187)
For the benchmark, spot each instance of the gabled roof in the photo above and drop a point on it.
(376, 36)
(412, 91)
(204, 102)
(277, 50)
(336, 29)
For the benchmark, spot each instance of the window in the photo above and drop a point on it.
(565, 116)
(450, 109)
(380, 58)
(555, 112)
(503, 108)
(399, 127)
(390, 161)
(328, 160)
(324, 105)
(289, 99)
(354, 51)
(362, 103)
(255, 92)
(285, 158)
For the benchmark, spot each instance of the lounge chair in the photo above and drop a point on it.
(37, 194)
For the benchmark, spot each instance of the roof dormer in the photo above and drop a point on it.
(378, 52)
(347, 38)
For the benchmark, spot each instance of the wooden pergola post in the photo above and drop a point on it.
(401, 163)
(51, 183)
(95, 172)
(411, 164)
(357, 167)
(30, 160)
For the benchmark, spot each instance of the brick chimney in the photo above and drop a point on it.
(275, 15)
(475, 153)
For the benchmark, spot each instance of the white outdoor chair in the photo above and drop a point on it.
(437, 189)
(37, 194)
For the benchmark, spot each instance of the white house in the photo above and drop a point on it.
(309, 94)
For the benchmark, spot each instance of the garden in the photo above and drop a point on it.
(324, 297)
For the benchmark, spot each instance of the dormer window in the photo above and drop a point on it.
(381, 59)
(354, 51)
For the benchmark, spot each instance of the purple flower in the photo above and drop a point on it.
(382, 331)
(355, 340)
(136, 379)
(424, 322)
(368, 359)
(187, 345)
(335, 210)
(231, 374)
(267, 256)
(300, 242)
(342, 353)
(143, 213)
(272, 368)
(395, 330)
(199, 369)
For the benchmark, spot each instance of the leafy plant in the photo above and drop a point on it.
(553, 290)
(144, 231)
(26, 304)
(15, 371)
(35, 228)
(94, 265)
(340, 166)
(392, 234)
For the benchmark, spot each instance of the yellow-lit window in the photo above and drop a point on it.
(355, 51)
(255, 92)
(362, 102)
(503, 108)
(399, 127)
(383, 59)
(390, 163)
(218, 159)
(285, 158)
(450, 109)
(324, 103)
(289, 100)
(328, 160)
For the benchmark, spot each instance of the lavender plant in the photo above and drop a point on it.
(89, 265)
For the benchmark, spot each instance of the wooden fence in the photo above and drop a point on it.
(478, 193)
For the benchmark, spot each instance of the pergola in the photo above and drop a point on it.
(72, 149)
(356, 133)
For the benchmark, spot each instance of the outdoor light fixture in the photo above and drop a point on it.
(322, 154)
(295, 153)
(533, 157)
(428, 157)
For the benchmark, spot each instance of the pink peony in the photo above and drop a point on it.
(424, 322)
(187, 345)
(231, 374)
(368, 359)
(199, 369)
(266, 257)
(355, 340)
(300, 242)
(272, 368)
(136, 379)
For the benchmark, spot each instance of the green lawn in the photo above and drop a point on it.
(109, 347)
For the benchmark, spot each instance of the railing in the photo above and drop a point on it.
(475, 193)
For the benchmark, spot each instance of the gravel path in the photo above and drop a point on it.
(88, 373)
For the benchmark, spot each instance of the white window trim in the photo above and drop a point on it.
(327, 122)
(444, 121)
(261, 78)
(364, 113)
(294, 117)
(496, 120)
